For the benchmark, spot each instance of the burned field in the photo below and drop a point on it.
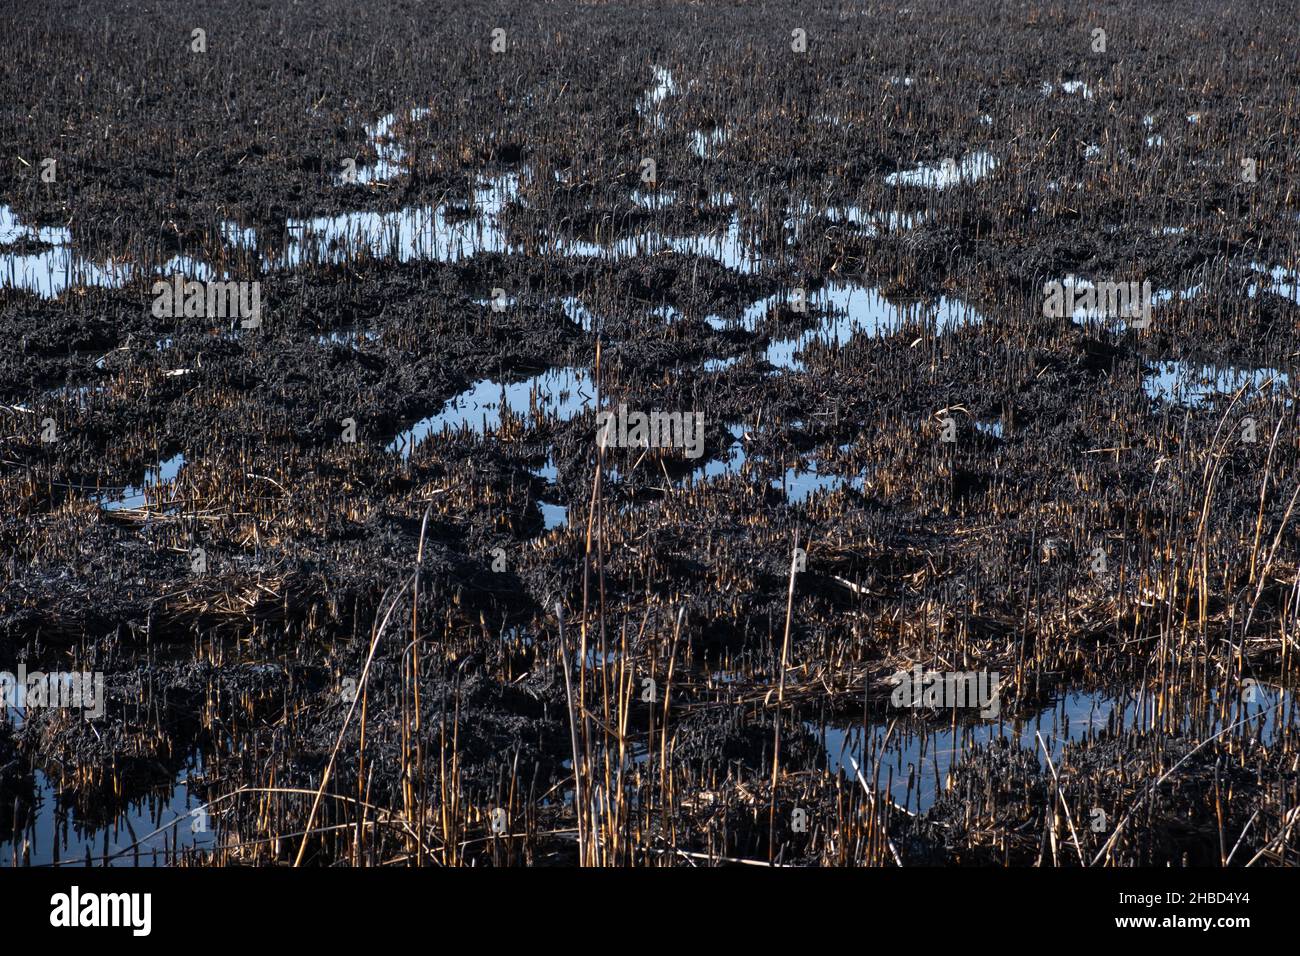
(330, 516)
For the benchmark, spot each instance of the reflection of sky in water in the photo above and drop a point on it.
(553, 515)
(578, 312)
(169, 811)
(802, 481)
(48, 272)
(731, 460)
(728, 246)
(705, 144)
(560, 393)
(1071, 718)
(137, 497)
(77, 394)
(428, 233)
(390, 155)
(653, 199)
(415, 232)
(851, 309)
(874, 224)
(944, 174)
(11, 230)
(1285, 283)
(798, 483)
(1195, 385)
(648, 106)
(446, 233)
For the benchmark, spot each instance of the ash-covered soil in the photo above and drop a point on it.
(371, 546)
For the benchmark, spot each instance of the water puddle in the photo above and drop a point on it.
(1285, 283)
(441, 233)
(390, 155)
(721, 364)
(49, 271)
(1155, 139)
(875, 224)
(798, 483)
(553, 515)
(665, 312)
(973, 167)
(653, 199)
(851, 309)
(933, 750)
(705, 144)
(559, 394)
(450, 232)
(145, 835)
(11, 230)
(728, 245)
(138, 497)
(578, 313)
(648, 106)
(432, 233)
(803, 481)
(238, 237)
(1182, 383)
(730, 462)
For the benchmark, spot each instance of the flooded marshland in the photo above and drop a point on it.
(648, 434)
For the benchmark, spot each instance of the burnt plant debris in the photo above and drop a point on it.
(365, 588)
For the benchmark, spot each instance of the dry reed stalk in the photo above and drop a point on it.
(573, 741)
(780, 700)
(365, 675)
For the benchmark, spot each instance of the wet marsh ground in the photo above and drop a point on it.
(435, 623)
